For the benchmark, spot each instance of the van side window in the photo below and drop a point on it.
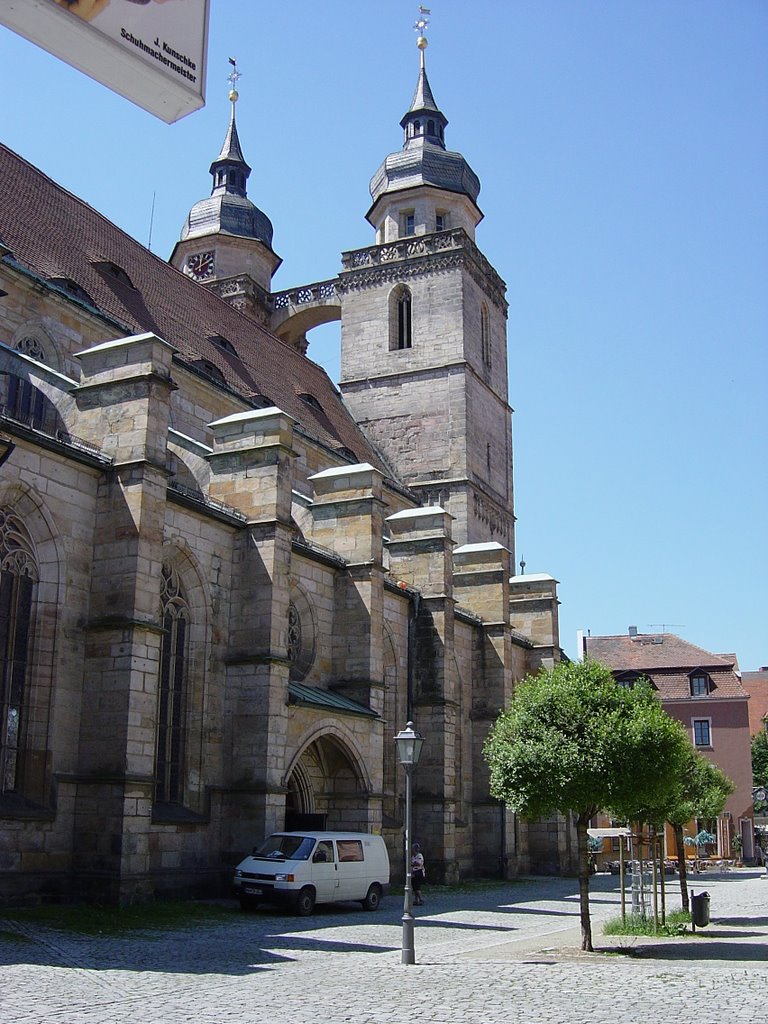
(323, 853)
(350, 849)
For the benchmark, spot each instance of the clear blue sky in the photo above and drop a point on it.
(623, 154)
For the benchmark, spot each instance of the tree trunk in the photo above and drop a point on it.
(680, 847)
(581, 836)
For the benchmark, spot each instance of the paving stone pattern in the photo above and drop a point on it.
(501, 955)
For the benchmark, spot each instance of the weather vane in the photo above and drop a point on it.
(422, 22)
(232, 78)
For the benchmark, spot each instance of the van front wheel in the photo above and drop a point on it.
(373, 900)
(305, 904)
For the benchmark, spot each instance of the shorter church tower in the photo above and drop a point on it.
(226, 241)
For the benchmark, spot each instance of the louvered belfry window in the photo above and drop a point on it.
(18, 581)
(171, 714)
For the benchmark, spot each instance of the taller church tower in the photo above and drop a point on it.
(423, 343)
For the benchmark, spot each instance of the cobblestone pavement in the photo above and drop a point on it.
(499, 955)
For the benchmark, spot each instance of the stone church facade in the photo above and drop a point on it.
(223, 589)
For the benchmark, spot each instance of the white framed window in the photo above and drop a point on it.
(700, 684)
(702, 732)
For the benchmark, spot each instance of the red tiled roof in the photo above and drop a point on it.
(57, 235)
(667, 660)
(651, 650)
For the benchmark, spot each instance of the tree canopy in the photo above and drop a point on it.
(760, 766)
(575, 741)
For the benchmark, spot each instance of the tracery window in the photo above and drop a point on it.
(300, 635)
(171, 729)
(294, 633)
(30, 346)
(18, 579)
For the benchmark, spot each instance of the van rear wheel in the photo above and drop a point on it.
(305, 904)
(373, 900)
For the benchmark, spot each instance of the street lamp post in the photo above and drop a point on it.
(409, 744)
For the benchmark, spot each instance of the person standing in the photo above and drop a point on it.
(418, 873)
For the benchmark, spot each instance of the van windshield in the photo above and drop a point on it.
(285, 848)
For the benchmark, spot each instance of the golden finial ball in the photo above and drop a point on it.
(422, 42)
(234, 95)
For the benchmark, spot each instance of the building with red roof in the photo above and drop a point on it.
(702, 690)
(225, 584)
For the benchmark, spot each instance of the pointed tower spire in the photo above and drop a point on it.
(424, 121)
(423, 162)
(238, 234)
(229, 170)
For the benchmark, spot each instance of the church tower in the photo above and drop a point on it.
(423, 344)
(226, 241)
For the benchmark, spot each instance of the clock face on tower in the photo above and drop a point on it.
(201, 265)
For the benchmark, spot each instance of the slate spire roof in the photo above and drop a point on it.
(228, 210)
(423, 100)
(231, 150)
(424, 160)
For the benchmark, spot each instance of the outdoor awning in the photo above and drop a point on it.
(327, 700)
(608, 833)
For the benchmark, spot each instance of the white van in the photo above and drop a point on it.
(301, 869)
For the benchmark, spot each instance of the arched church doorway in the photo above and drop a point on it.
(326, 790)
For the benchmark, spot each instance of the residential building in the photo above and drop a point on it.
(704, 692)
(756, 685)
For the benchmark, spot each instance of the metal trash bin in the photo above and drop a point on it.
(700, 909)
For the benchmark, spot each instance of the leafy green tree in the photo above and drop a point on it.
(760, 758)
(574, 741)
(700, 790)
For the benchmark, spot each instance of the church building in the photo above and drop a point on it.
(226, 585)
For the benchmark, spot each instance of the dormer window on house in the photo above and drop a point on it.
(73, 288)
(210, 370)
(311, 401)
(701, 684)
(223, 343)
(114, 271)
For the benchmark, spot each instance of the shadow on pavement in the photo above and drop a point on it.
(713, 950)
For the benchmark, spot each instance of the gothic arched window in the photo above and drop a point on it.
(171, 707)
(400, 319)
(18, 578)
(485, 335)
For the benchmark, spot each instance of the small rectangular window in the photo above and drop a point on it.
(350, 849)
(699, 685)
(702, 732)
(408, 222)
(440, 222)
